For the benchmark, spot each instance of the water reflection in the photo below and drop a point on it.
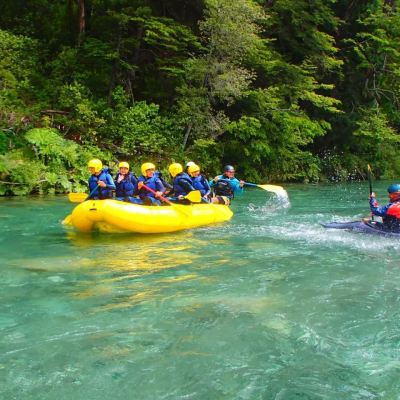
(123, 273)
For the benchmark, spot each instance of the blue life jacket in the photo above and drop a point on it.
(153, 183)
(127, 186)
(201, 183)
(102, 193)
(179, 189)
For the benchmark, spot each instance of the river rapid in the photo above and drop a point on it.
(269, 305)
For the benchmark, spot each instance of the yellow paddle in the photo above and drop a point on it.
(268, 188)
(191, 196)
(81, 197)
(194, 197)
(77, 197)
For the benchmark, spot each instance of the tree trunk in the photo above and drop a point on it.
(351, 4)
(70, 17)
(135, 59)
(114, 70)
(82, 20)
(189, 128)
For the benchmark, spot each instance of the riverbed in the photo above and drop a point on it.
(269, 305)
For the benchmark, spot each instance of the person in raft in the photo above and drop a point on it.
(126, 184)
(225, 186)
(153, 182)
(182, 184)
(199, 181)
(100, 177)
(391, 213)
(189, 164)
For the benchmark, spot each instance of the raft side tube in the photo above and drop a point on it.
(116, 216)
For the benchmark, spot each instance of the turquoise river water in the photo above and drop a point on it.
(267, 306)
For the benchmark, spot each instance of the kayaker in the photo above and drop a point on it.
(391, 213)
(225, 186)
(102, 178)
(182, 184)
(149, 179)
(126, 184)
(199, 181)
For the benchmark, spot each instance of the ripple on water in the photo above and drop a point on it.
(267, 305)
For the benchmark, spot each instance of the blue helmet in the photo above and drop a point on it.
(229, 168)
(394, 188)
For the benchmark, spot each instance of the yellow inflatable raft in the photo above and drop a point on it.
(115, 216)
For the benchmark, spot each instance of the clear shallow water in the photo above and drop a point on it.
(268, 306)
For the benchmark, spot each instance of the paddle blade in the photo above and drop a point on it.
(369, 174)
(77, 197)
(194, 197)
(272, 188)
(68, 220)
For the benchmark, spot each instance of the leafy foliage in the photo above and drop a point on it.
(140, 129)
(48, 164)
(283, 89)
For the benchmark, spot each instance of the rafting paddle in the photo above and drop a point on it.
(268, 188)
(191, 196)
(81, 197)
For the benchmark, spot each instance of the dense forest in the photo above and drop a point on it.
(299, 90)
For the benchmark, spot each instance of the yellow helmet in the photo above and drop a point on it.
(96, 164)
(193, 168)
(175, 169)
(147, 166)
(123, 164)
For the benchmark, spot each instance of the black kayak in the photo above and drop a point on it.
(368, 226)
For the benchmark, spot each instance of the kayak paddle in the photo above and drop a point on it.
(369, 174)
(81, 197)
(268, 188)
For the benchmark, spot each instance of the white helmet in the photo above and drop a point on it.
(190, 163)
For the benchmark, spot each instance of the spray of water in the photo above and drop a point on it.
(278, 202)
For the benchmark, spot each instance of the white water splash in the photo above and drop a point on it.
(278, 202)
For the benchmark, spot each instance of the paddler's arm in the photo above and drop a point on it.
(109, 182)
(166, 184)
(160, 189)
(207, 188)
(214, 181)
(186, 185)
(238, 186)
(138, 188)
(375, 209)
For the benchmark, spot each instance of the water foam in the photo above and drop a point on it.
(277, 203)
